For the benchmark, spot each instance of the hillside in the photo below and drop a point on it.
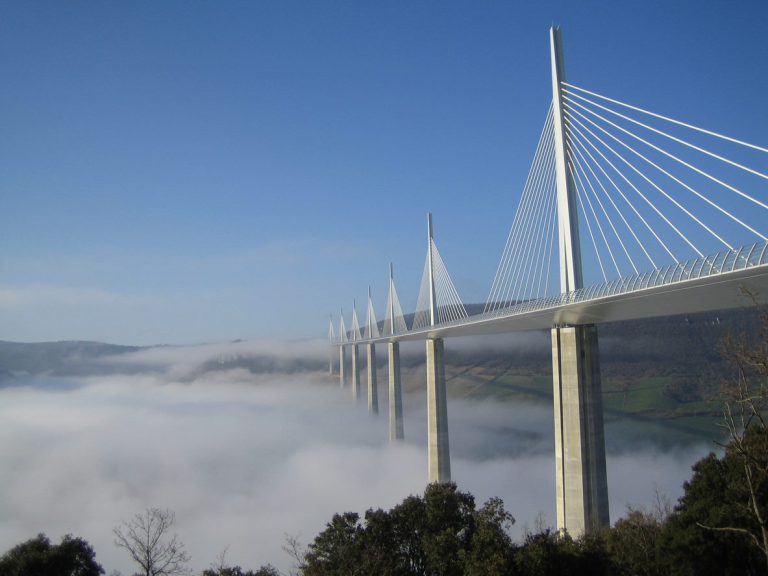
(66, 358)
(661, 377)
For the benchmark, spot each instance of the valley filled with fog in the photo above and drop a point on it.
(251, 441)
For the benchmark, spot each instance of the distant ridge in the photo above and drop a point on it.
(61, 358)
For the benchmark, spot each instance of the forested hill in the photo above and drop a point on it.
(66, 358)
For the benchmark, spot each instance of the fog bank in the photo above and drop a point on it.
(245, 458)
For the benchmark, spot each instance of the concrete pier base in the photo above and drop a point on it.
(342, 366)
(395, 394)
(581, 483)
(373, 389)
(355, 372)
(437, 414)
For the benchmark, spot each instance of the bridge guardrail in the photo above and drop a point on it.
(719, 263)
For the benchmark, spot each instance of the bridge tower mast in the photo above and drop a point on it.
(568, 222)
(581, 482)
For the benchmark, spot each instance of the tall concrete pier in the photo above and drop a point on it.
(580, 483)
(331, 338)
(355, 372)
(342, 351)
(395, 394)
(373, 390)
(581, 486)
(342, 366)
(438, 453)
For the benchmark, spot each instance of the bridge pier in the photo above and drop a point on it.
(395, 394)
(373, 389)
(355, 372)
(342, 366)
(438, 454)
(581, 483)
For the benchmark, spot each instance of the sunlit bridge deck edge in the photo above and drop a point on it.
(709, 283)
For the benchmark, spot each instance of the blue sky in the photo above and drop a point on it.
(177, 172)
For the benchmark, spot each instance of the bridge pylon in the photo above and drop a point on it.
(438, 453)
(395, 393)
(355, 372)
(331, 340)
(581, 482)
(393, 348)
(356, 336)
(370, 347)
(342, 351)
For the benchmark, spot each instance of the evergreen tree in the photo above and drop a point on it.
(38, 557)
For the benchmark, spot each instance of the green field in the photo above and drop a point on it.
(639, 411)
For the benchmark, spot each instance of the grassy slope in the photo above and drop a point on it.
(642, 413)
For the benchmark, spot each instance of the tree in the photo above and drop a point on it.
(440, 533)
(148, 540)
(709, 499)
(409, 524)
(491, 552)
(720, 524)
(744, 407)
(336, 550)
(450, 517)
(549, 553)
(380, 553)
(633, 543)
(38, 557)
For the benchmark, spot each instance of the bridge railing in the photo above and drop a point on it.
(719, 263)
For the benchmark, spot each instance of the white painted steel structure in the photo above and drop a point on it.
(713, 282)
(568, 224)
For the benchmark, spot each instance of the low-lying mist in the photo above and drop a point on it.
(249, 442)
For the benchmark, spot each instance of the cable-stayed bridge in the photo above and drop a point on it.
(625, 214)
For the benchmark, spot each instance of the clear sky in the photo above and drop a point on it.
(176, 172)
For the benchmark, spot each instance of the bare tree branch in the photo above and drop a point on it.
(744, 402)
(147, 539)
(294, 549)
(730, 529)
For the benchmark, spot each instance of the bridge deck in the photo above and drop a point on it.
(714, 282)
